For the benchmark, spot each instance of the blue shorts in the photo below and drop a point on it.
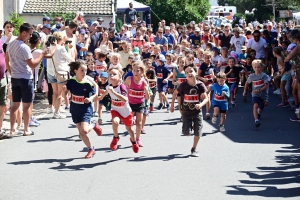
(52, 79)
(77, 118)
(22, 90)
(232, 86)
(106, 103)
(170, 85)
(221, 105)
(162, 87)
(259, 101)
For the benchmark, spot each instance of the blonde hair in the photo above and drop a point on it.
(116, 67)
(141, 66)
(58, 35)
(115, 55)
(207, 53)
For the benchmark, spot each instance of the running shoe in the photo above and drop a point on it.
(97, 129)
(295, 119)
(67, 107)
(61, 110)
(214, 119)
(160, 106)
(50, 110)
(207, 116)
(36, 121)
(58, 116)
(114, 143)
(90, 153)
(32, 123)
(277, 92)
(96, 114)
(194, 153)
(233, 104)
(143, 131)
(164, 105)
(100, 120)
(139, 142)
(7, 112)
(283, 105)
(257, 123)
(135, 148)
(222, 128)
(168, 107)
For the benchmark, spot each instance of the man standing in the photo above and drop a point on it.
(100, 20)
(224, 38)
(95, 36)
(130, 14)
(169, 36)
(195, 38)
(19, 63)
(160, 39)
(258, 44)
(237, 41)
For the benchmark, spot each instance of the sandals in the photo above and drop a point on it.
(3, 135)
(28, 133)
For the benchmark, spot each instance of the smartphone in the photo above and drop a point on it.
(68, 42)
(67, 22)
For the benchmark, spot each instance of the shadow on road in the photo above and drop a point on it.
(162, 158)
(70, 138)
(273, 181)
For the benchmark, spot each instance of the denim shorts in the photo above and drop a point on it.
(22, 90)
(52, 79)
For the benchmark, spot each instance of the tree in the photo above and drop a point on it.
(17, 20)
(181, 11)
(61, 11)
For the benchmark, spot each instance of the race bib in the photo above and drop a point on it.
(232, 80)
(117, 103)
(181, 80)
(224, 64)
(100, 68)
(191, 98)
(258, 83)
(152, 84)
(136, 93)
(159, 75)
(209, 77)
(219, 98)
(78, 99)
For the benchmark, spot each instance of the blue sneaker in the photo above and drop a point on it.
(32, 123)
(36, 121)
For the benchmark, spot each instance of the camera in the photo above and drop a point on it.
(51, 40)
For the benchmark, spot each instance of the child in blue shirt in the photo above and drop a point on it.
(219, 99)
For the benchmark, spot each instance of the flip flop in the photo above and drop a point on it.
(16, 133)
(28, 134)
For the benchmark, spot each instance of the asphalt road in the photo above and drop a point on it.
(242, 163)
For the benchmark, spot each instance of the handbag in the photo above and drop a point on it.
(61, 76)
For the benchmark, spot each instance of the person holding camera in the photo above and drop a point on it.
(82, 40)
(58, 71)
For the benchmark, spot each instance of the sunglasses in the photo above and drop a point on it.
(160, 32)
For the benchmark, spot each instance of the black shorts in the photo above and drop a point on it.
(188, 119)
(139, 108)
(22, 90)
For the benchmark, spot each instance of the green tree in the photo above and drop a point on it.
(17, 20)
(61, 11)
(181, 11)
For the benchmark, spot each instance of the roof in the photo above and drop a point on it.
(87, 6)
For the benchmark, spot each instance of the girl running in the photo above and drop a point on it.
(83, 94)
(172, 66)
(150, 74)
(137, 92)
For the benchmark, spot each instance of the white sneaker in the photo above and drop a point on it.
(58, 116)
(222, 128)
(96, 114)
(214, 119)
(277, 92)
(7, 112)
(50, 110)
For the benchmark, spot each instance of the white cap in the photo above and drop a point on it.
(197, 29)
(167, 28)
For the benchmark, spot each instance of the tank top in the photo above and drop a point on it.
(136, 92)
(151, 38)
(180, 78)
(121, 107)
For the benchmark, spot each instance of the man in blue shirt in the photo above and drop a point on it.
(195, 38)
(169, 36)
(160, 39)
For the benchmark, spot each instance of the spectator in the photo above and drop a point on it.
(169, 36)
(94, 36)
(160, 39)
(130, 14)
(225, 37)
(258, 44)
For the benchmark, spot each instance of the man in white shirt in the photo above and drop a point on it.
(258, 44)
(237, 41)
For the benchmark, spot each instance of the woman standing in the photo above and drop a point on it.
(125, 52)
(104, 41)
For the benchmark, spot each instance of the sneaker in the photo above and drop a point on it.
(295, 119)
(61, 110)
(257, 123)
(143, 131)
(114, 143)
(96, 114)
(222, 128)
(282, 105)
(67, 107)
(7, 112)
(139, 142)
(160, 106)
(214, 119)
(286, 105)
(97, 129)
(58, 116)
(135, 148)
(151, 108)
(277, 92)
(32, 123)
(168, 107)
(50, 110)
(90, 153)
(207, 116)
(194, 153)
(36, 121)
(100, 121)
(20, 127)
(164, 105)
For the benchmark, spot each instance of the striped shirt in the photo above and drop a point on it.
(18, 53)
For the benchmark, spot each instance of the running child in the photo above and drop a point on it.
(219, 99)
(191, 93)
(260, 84)
(215, 58)
(171, 65)
(83, 93)
(120, 109)
(150, 74)
(105, 101)
(223, 60)
(137, 93)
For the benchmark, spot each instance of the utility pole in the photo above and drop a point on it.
(273, 6)
(272, 3)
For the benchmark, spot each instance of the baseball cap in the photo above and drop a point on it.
(100, 19)
(136, 50)
(197, 29)
(244, 48)
(162, 58)
(129, 26)
(54, 30)
(35, 36)
(167, 28)
(46, 26)
(216, 49)
(104, 74)
(82, 31)
(58, 26)
(95, 23)
(111, 22)
(46, 18)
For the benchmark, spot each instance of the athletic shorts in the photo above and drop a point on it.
(3, 92)
(22, 90)
(162, 87)
(146, 111)
(221, 111)
(139, 108)
(187, 121)
(286, 77)
(78, 118)
(127, 121)
(170, 85)
(259, 101)
(232, 86)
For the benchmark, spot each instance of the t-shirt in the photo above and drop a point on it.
(146, 55)
(94, 39)
(225, 40)
(162, 73)
(196, 40)
(234, 76)
(170, 38)
(223, 62)
(258, 82)
(190, 96)
(93, 74)
(217, 96)
(207, 71)
(163, 40)
(124, 58)
(238, 43)
(18, 53)
(114, 40)
(259, 47)
(130, 15)
(80, 91)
